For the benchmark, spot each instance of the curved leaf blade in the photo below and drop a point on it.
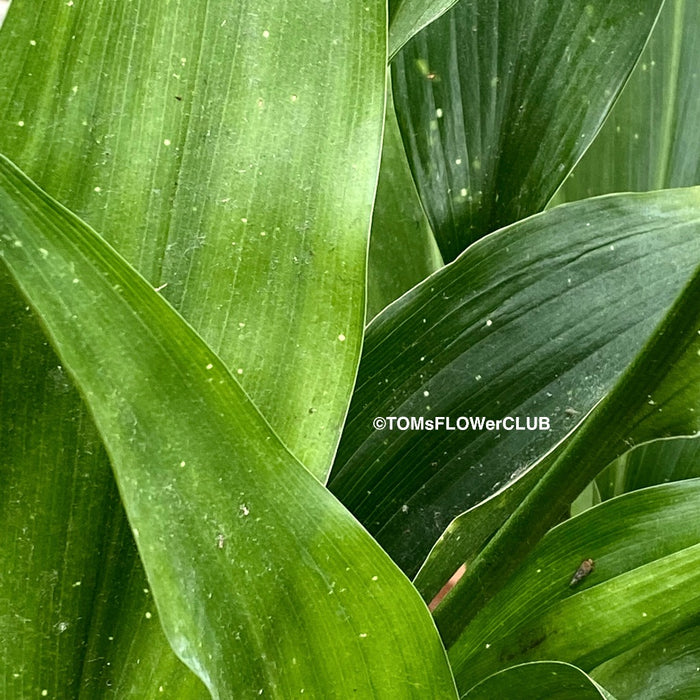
(241, 544)
(665, 667)
(497, 102)
(402, 249)
(408, 17)
(650, 140)
(646, 549)
(201, 158)
(537, 319)
(540, 679)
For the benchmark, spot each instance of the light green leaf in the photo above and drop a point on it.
(661, 668)
(248, 185)
(89, 95)
(644, 584)
(402, 249)
(651, 140)
(656, 396)
(536, 320)
(241, 545)
(408, 17)
(498, 100)
(541, 679)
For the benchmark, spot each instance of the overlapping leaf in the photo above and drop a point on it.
(402, 249)
(541, 679)
(262, 580)
(651, 140)
(535, 320)
(646, 548)
(498, 100)
(179, 120)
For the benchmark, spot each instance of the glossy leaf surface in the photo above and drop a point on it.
(536, 320)
(241, 544)
(498, 100)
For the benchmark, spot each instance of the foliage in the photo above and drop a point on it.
(197, 202)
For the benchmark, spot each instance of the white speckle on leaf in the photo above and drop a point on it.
(463, 192)
(426, 393)
(239, 370)
(166, 142)
(32, 42)
(148, 615)
(77, 583)
(458, 161)
(241, 325)
(76, 280)
(489, 322)
(74, 89)
(293, 98)
(44, 693)
(161, 288)
(404, 508)
(210, 366)
(341, 338)
(375, 578)
(20, 123)
(244, 509)
(488, 646)
(244, 220)
(363, 635)
(438, 113)
(44, 253)
(183, 463)
(97, 189)
(183, 61)
(478, 377)
(266, 34)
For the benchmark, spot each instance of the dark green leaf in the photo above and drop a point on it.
(661, 668)
(657, 396)
(498, 100)
(651, 139)
(538, 319)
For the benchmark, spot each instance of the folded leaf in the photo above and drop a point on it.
(263, 581)
(498, 100)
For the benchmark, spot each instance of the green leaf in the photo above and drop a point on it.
(99, 88)
(646, 550)
(660, 668)
(541, 679)
(402, 249)
(651, 140)
(408, 17)
(657, 396)
(71, 619)
(656, 462)
(497, 101)
(248, 187)
(252, 563)
(536, 320)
